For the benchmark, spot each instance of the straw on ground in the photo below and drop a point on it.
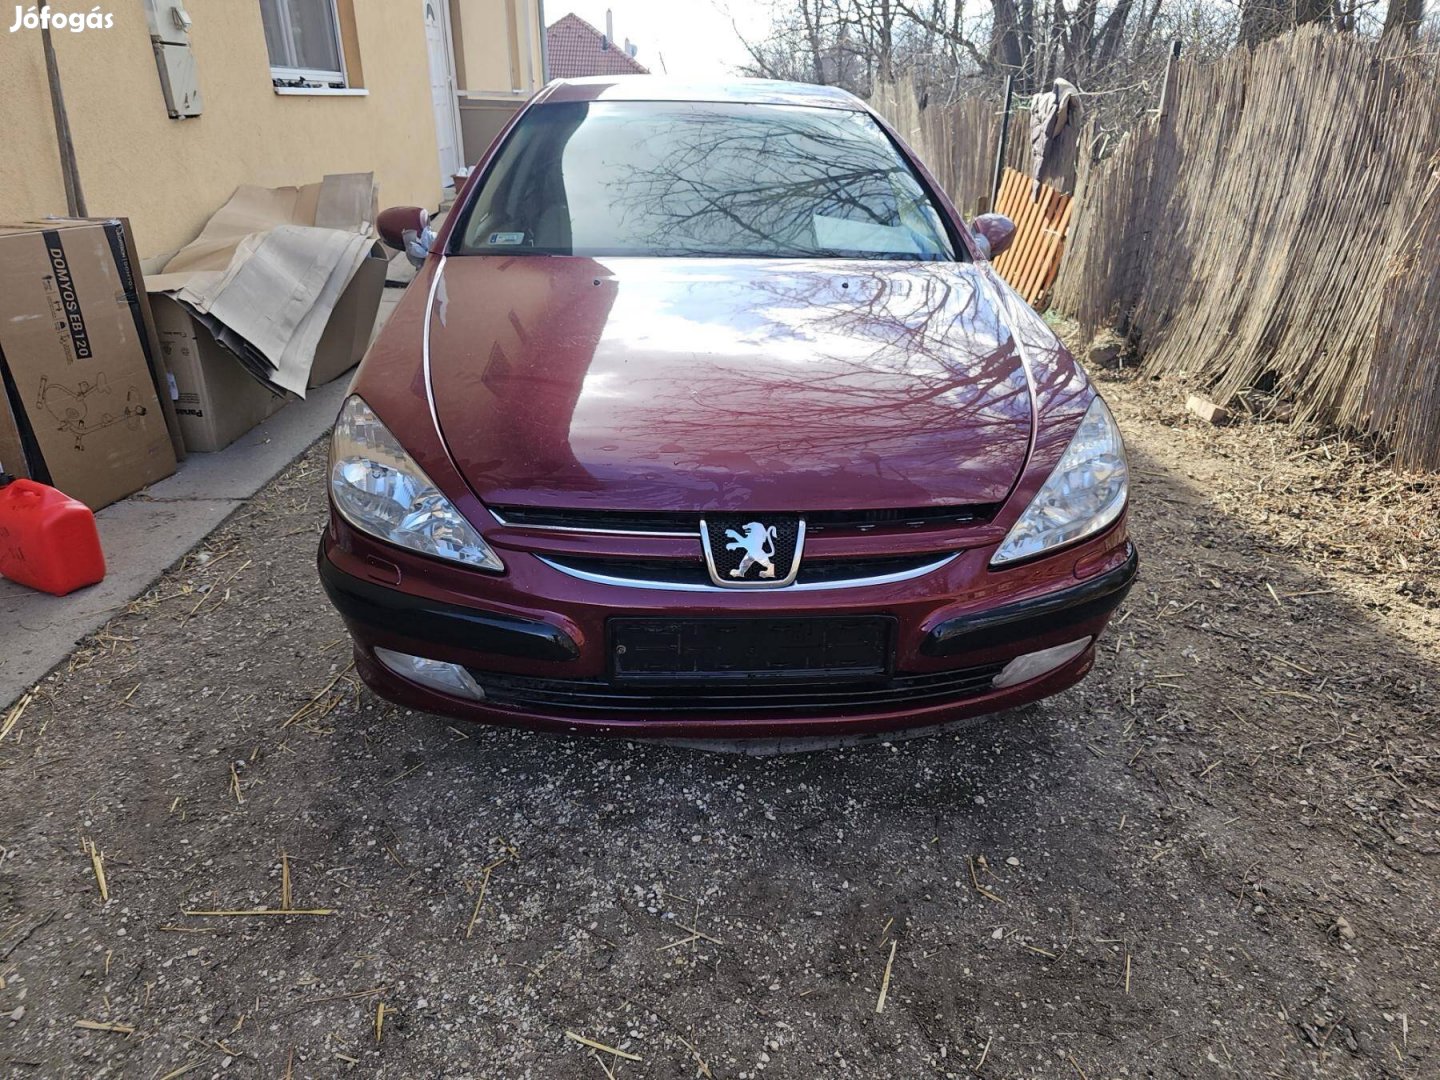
(583, 1041)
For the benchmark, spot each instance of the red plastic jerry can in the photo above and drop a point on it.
(48, 540)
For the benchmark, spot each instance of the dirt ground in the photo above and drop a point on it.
(1218, 856)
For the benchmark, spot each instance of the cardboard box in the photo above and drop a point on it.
(216, 399)
(269, 269)
(347, 334)
(122, 245)
(12, 455)
(79, 388)
(145, 325)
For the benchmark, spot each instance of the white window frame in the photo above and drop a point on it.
(299, 79)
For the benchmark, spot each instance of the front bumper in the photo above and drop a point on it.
(535, 640)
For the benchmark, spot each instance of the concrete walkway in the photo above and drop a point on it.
(146, 533)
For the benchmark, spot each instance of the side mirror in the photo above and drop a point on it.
(408, 229)
(995, 230)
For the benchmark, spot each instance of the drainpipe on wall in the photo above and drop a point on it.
(69, 168)
(544, 43)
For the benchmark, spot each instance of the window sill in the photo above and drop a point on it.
(320, 91)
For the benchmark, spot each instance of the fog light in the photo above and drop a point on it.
(1034, 664)
(435, 674)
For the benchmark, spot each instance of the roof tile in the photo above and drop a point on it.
(577, 49)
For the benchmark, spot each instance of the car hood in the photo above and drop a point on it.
(695, 384)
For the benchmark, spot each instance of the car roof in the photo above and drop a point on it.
(663, 88)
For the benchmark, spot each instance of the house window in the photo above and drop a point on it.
(303, 37)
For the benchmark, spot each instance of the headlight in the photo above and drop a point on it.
(1085, 493)
(378, 488)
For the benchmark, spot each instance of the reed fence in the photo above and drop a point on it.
(957, 141)
(1280, 228)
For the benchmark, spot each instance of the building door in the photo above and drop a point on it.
(442, 87)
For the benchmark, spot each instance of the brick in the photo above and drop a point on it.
(1207, 410)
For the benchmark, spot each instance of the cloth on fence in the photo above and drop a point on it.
(1051, 115)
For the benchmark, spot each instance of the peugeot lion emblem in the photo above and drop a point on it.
(758, 543)
(753, 551)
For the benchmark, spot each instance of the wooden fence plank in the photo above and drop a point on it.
(1030, 263)
(1047, 258)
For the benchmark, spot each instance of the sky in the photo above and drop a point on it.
(695, 38)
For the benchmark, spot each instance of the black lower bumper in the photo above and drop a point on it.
(441, 623)
(407, 615)
(1027, 619)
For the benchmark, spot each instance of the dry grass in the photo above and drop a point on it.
(97, 865)
(885, 981)
(592, 1044)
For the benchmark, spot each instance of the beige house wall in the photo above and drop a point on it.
(498, 47)
(168, 175)
(499, 64)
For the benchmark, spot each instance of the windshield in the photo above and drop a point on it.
(702, 179)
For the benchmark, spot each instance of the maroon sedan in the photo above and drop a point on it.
(707, 417)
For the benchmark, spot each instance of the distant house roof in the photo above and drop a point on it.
(577, 49)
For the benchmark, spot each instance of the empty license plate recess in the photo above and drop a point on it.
(739, 650)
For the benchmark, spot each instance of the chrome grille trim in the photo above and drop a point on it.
(669, 586)
(693, 534)
(934, 518)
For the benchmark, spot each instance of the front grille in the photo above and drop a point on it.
(681, 521)
(915, 518)
(690, 573)
(593, 696)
